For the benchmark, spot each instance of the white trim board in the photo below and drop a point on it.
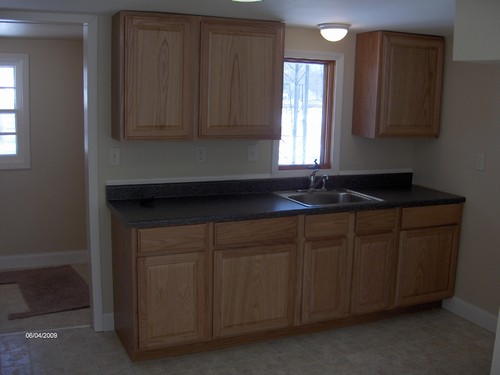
(108, 322)
(472, 313)
(43, 259)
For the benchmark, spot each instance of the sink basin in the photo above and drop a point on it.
(327, 198)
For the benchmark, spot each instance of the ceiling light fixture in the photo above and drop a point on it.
(333, 32)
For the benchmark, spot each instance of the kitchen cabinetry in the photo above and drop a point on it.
(397, 85)
(254, 275)
(187, 288)
(241, 81)
(155, 70)
(162, 275)
(327, 267)
(171, 291)
(374, 265)
(427, 253)
(157, 80)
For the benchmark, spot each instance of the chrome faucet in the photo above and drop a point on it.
(312, 176)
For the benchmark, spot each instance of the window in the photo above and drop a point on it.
(14, 111)
(310, 94)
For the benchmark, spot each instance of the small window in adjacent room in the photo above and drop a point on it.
(14, 111)
(310, 92)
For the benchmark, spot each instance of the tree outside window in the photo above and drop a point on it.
(306, 114)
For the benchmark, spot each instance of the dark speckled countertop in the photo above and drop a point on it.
(144, 206)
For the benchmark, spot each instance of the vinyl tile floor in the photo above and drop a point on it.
(432, 342)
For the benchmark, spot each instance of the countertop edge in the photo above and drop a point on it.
(391, 199)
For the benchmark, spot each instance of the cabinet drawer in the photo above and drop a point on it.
(250, 232)
(431, 216)
(376, 221)
(327, 225)
(172, 239)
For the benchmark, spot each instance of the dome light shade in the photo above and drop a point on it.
(333, 32)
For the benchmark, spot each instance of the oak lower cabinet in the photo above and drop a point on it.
(172, 299)
(254, 276)
(188, 288)
(160, 286)
(374, 263)
(427, 253)
(327, 267)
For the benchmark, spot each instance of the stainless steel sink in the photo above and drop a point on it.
(327, 198)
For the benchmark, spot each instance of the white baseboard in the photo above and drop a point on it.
(43, 259)
(472, 313)
(108, 322)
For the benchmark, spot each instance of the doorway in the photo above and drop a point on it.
(88, 25)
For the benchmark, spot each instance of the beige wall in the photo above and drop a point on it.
(43, 208)
(470, 125)
(477, 30)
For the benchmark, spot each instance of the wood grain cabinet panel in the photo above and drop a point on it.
(327, 268)
(326, 280)
(398, 85)
(374, 261)
(428, 251)
(155, 71)
(253, 289)
(241, 79)
(177, 239)
(172, 299)
(253, 232)
(373, 273)
(431, 216)
(427, 263)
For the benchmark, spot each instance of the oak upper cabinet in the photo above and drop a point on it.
(326, 281)
(397, 85)
(155, 75)
(374, 264)
(172, 286)
(241, 79)
(427, 253)
(254, 275)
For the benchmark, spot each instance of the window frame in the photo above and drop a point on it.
(22, 159)
(332, 135)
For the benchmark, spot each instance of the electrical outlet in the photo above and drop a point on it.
(200, 154)
(114, 156)
(252, 154)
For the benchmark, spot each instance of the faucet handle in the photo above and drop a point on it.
(324, 178)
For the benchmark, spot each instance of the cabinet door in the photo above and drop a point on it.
(373, 273)
(172, 299)
(397, 85)
(241, 79)
(254, 289)
(156, 80)
(427, 261)
(326, 280)
(412, 75)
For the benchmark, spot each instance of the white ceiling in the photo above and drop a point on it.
(419, 16)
